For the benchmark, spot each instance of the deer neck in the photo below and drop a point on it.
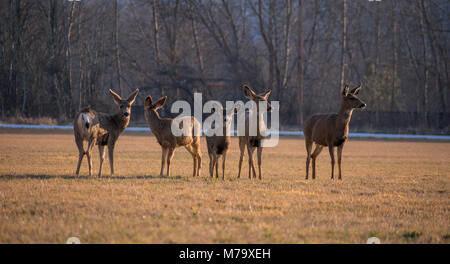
(120, 121)
(344, 116)
(154, 120)
(261, 126)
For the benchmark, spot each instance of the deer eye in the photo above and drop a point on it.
(121, 106)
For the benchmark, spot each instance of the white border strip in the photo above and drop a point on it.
(281, 133)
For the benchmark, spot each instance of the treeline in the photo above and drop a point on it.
(58, 56)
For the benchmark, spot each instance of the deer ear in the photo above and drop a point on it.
(345, 91)
(248, 92)
(132, 96)
(148, 101)
(160, 102)
(356, 90)
(115, 96)
(266, 95)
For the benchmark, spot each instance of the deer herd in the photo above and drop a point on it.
(101, 129)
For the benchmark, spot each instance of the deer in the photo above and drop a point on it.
(331, 130)
(162, 129)
(102, 128)
(85, 128)
(253, 142)
(218, 145)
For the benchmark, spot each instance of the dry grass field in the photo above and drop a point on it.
(398, 191)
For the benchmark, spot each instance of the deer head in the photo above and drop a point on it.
(227, 114)
(250, 94)
(124, 105)
(149, 106)
(350, 99)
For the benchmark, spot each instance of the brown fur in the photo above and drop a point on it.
(330, 130)
(105, 130)
(83, 133)
(252, 142)
(161, 128)
(218, 146)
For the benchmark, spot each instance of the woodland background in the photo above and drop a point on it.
(57, 56)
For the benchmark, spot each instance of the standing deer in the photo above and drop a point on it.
(162, 129)
(253, 141)
(85, 128)
(218, 145)
(103, 129)
(331, 130)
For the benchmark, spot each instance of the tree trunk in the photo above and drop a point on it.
(156, 32)
(299, 94)
(344, 44)
(374, 82)
(69, 58)
(394, 58)
(287, 48)
(436, 58)
(52, 26)
(425, 68)
(80, 51)
(116, 30)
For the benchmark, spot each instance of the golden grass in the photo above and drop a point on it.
(397, 191)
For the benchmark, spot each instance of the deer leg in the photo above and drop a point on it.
(101, 152)
(194, 158)
(308, 156)
(198, 156)
(191, 149)
(224, 157)
(241, 158)
(88, 154)
(251, 168)
(316, 153)
(199, 165)
(80, 147)
(163, 160)
(331, 149)
(259, 160)
(210, 165)
(216, 164)
(80, 159)
(213, 164)
(111, 157)
(169, 159)
(339, 154)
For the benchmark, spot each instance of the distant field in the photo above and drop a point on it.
(398, 191)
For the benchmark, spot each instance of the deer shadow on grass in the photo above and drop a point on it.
(73, 177)
(140, 177)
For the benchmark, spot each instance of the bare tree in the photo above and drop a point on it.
(116, 34)
(344, 43)
(300, 62)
